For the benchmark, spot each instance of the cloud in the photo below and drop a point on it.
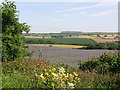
(74, 9)
(100, 4)
(103, 13)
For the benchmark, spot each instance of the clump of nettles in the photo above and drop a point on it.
(57, 78)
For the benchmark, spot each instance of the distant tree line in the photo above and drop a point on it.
(107, 45)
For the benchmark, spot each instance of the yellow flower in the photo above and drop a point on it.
(71, 76)
(42, 76)
(5, 77)
(45, 70)
(53, 69)
(46, 74)
(53, 84)
(78, 79)
(54, 74)
(15, 72)
(50, 70)
(75, 74)
(67, 75)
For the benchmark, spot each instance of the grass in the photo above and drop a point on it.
(59, 45)
(66, 41)
(21, 74)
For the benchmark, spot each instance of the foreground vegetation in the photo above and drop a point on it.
(37, 74)
(101, 72)
(108, 63)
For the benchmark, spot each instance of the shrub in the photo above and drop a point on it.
(12, 39)
(108, 63)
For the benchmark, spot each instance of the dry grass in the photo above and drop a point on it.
(81, 36)
(35, 37)
(57, 45)
(99, 40)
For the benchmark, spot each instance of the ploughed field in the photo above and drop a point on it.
(64, 55)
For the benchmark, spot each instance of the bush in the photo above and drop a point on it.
(108, 63)
(12, 39)
(107, 45)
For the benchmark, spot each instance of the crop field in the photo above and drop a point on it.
(69, 41)
(59, 45)
(80, 36)
(99, 40)
(35, 37)
(64, 55)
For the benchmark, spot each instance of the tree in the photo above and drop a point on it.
(98, 35)
(12, 39)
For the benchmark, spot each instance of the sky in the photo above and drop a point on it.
(57, 16)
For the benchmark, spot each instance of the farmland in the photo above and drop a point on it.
(64, 55)
(68, 41)
(99, 40)
(59, 45)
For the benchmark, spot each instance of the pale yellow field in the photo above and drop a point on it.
(57, 45)
(35, 37)
(107, 35)
(81, 36)
(104, 40)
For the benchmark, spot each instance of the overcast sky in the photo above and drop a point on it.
(89, 16)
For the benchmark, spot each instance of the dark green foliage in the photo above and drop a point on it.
(12, 39)
(107, 45)
(70, 41)
(108, 63)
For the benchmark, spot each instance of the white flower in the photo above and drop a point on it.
(71, 85)
(61, 70)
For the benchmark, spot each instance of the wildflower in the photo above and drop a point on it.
(46, 74)
(71, 76)
(67, 75)
(53, 84)
(54, 74)
(45, 70)
(63, 84)
(6, 77)
(71, 85)
(53, 69)
(61, 70)
(75, 74)
(78, 79)
(50, 70)
(42, 76)
(15, 71)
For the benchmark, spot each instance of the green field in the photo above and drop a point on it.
(69, 41)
